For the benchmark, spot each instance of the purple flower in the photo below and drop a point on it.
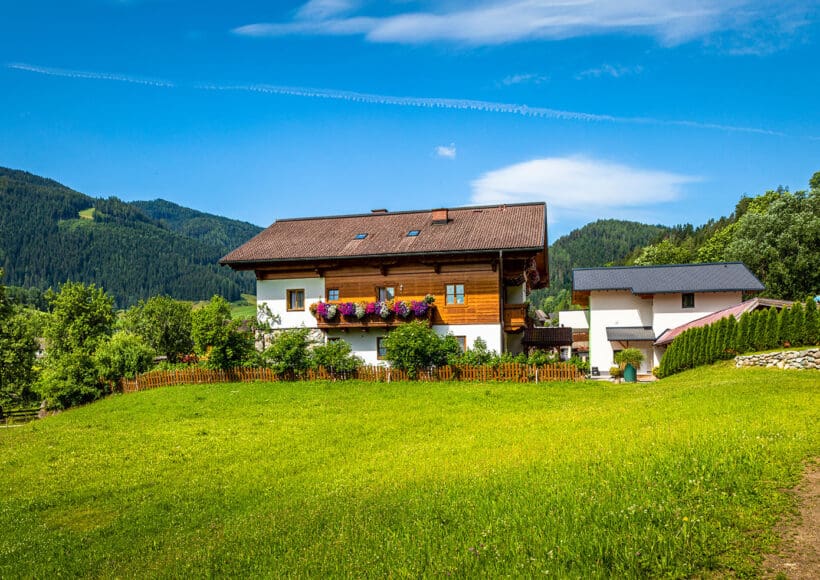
(401, 308)
(419, 308)
(347, 309)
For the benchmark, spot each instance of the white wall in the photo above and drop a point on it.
(573, 319)
(613, 308)
(274, 294)
(669, 314)
(491, 333)
(662, 312)
(362, 343)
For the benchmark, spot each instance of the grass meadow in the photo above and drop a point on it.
(683, 477)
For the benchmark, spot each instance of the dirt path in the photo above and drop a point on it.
(798, 556)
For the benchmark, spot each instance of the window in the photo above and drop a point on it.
(296, 300)
(413, 233)
(332, 294)
(381, 351)
(687, 300)
(462, 343)
(454, 294)
(383, 293)
(361, 236)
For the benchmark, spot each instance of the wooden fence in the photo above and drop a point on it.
(508, 372)
(18, 416)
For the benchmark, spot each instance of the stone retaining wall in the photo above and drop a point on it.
(790, 359)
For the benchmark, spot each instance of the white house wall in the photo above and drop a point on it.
(363, 344)
(668, 313)
(576, 319)
(661, 312)
(491, 333)
(613, 308)
(273, 293)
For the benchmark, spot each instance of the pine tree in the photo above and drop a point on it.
(798, 322)
(729, 350)
(771, 328)
(812, 324)
(742, 334)
(759, 334)
(784, 326)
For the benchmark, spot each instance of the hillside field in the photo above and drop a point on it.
(676, 478)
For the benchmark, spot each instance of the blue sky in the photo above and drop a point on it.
(663, 112)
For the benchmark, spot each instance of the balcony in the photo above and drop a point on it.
(341, 321)
(515, 317)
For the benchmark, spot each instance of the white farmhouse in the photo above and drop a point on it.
(629, 307)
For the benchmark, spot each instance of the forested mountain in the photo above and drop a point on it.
(596, 244)
(211, 229)
(50, 234)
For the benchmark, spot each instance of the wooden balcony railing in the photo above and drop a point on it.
(372, 321)
(515, 317)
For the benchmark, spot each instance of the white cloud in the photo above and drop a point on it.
(607, 70)
(446, 151)
(489, 22)
(529, 78)
(580, 185)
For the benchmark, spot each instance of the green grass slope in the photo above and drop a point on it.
(677, 478)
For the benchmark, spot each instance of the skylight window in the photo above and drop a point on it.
(413, 233)
(361, 236)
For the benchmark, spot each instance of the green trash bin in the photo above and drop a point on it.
(630, 374)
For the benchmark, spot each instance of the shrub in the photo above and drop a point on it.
(164, 324)
(629, 356)
(414, 346)
(123, 355)
(219, 338)
(289, 351)
(335, 356)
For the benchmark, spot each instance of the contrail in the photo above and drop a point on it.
(414, 102)
(76, 74)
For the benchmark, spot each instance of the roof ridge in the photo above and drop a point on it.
(412, 211)
(698, 264)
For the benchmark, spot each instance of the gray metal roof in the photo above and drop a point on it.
(673, 278)
(623, 333)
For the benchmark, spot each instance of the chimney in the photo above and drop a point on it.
(440, 216)
(378, 211)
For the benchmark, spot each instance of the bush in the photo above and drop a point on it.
(629, 356)
(289, 351)
(335, 356)
(123, 355)
(164, 324)
(218, 338)
(414, 346)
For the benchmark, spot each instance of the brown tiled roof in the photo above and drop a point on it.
(468, 229)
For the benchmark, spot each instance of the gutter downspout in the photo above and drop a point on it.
(501, 300)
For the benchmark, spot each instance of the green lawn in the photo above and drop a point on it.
(245, 308)
(675, 478)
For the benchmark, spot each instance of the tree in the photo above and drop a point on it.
(81, 319)
(664, 252)
(17, 353)
(797, 319)
(777, 238)
(812, 324)
(217, 338)
(772, 340)
(814, 182)
(289, 351)
(164, 324)
(414, 346)
(784, 327)
(123, 355)
(335, 356)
